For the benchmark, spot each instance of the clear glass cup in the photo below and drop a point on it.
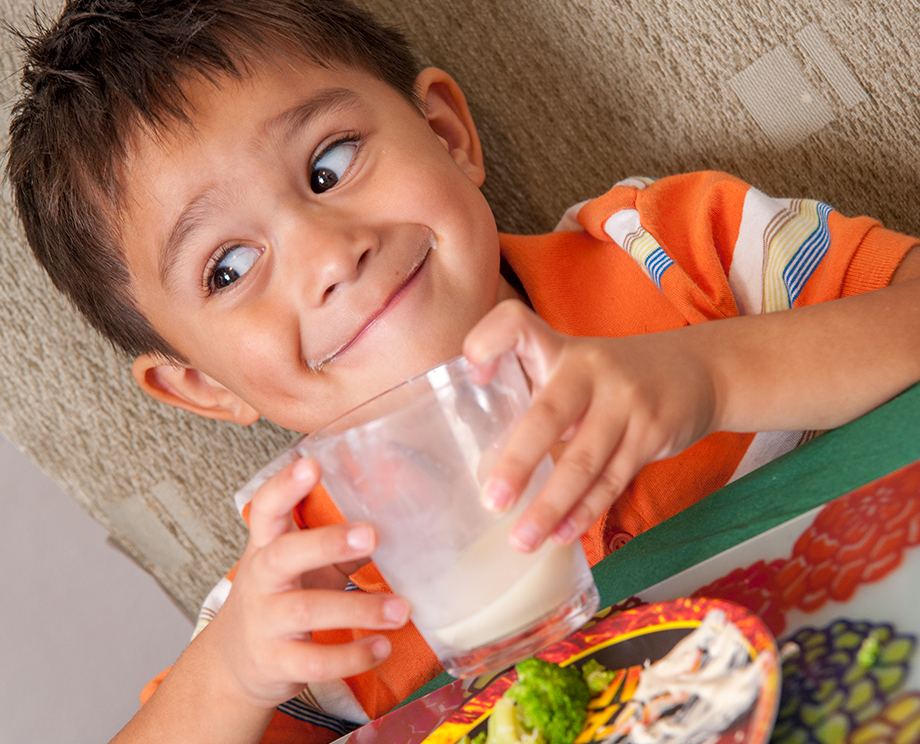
(412, 463)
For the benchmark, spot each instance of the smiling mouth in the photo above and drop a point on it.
(316, 366)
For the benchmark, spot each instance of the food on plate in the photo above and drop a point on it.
(598, 677)
(705, 683)
(547, 704)
(551, 699)
(698, 690)
(506, 728)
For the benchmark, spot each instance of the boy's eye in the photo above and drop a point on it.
(229, 267)
(331, 165)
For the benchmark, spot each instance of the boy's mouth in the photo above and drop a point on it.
(413, 272)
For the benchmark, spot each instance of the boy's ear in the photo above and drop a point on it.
(190, 390)
(449, 117)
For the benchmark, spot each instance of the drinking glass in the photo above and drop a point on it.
(412, 463)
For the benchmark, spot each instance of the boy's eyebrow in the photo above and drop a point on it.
(190, 219)
(287, 122)
(280, 127)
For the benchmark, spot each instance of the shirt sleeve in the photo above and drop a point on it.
(719, 247)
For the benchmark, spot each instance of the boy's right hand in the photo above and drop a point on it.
(257, 652)
(618, 403)
(289, 583)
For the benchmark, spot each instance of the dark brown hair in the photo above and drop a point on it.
(105, 68)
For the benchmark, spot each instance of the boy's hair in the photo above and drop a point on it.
(108, 68)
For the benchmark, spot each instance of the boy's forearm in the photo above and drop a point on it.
(816, 367)
(195, 703)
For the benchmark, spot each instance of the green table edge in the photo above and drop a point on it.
(829, 466)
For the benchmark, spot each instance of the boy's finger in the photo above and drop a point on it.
(512, 326)
(494, 334)
(287, 557)
(586, 512)
(541, 427)
(317, 662)
(624, 460)
(299, 612)
(589, 508)
(270, 513)
(582, 469)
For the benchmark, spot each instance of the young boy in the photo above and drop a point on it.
(271, 208)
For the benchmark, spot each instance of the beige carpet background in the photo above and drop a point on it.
(814, 99)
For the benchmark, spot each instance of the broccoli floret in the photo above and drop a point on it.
(550, 700)
(597, 676)
(506, 726)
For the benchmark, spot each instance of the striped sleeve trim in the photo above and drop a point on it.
(796, 244)
(315, 702)
(746, 277)
(766, 447)
(780, 244)
(625, 228)
(212, 603)
(296, 708)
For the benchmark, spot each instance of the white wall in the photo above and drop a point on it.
(82, 628)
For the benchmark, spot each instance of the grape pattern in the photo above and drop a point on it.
(843, 685)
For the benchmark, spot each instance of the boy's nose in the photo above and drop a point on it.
(340, 271)
(333, 259)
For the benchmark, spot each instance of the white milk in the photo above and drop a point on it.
(546, 585)
(464, 595)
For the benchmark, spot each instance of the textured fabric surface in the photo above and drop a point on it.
(815, 99)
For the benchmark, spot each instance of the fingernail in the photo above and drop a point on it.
(496, 495)
(381, 649)
(525, 537)
(359, 538)
(565, 532)
(395, 610)
(482, 372)
(302, 470)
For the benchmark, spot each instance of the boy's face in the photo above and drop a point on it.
(310, 241)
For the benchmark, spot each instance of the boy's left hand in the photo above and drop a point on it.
(620, 403)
